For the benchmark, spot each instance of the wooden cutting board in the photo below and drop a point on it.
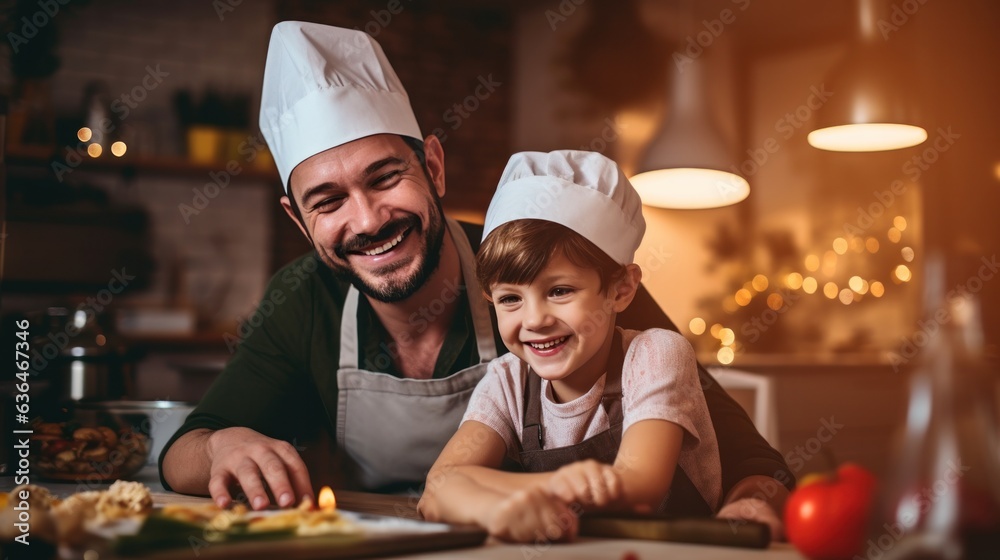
(304, 548)
(308, 548)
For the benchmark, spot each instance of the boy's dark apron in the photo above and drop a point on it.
(684, 500)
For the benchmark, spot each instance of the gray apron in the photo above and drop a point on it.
(392, 428)
(684, 498)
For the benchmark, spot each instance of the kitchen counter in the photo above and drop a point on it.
(582, 548)
(403, 506)
(613, 549)
(148, 475)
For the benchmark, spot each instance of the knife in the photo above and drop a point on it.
(718, 532)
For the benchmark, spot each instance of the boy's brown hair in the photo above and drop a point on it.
(515, 252)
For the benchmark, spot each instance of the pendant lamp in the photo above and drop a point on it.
(686, 165)
(872, 106)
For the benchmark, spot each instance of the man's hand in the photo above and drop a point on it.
(531, 515)
(252, 460)
(587, 482)
(757, 498)
(753, 509)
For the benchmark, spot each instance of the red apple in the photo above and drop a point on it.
(826, 517)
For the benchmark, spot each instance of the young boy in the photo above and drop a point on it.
(598, 417)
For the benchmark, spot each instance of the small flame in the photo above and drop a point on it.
(327, 501)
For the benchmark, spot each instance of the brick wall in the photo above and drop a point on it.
(115, 41)
(442, 52)
(445, 54)
(219, 260)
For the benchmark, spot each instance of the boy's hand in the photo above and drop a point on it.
(588, 482)
(531, 515)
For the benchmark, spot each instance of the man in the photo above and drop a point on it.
(381, 343)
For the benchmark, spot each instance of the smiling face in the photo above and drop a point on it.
(373, 213)
(560, 324)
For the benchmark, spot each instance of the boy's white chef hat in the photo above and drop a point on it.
(583, 191)
(325, 86)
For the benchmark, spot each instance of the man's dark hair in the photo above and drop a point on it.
(417, 145)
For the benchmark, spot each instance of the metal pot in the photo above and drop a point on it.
(156, 419)
(81, 362)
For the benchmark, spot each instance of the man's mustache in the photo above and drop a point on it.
(389, 231)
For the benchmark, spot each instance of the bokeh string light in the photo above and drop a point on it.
(826, 263)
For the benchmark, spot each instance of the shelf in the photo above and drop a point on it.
(198, 341)
(130, 166)
(799, 364)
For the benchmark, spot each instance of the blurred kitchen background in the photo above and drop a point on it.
(142, 206)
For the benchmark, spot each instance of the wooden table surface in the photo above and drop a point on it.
(582, 549)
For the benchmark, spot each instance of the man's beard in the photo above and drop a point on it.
(396, 289)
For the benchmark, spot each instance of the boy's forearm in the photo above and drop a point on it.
(646, 462)
(454, 497)
(637, 499)
(503, 481)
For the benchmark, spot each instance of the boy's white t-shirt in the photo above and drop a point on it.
(659, 381)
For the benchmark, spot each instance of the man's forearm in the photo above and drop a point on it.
(757, 498)
(187, 466)
(760, 487)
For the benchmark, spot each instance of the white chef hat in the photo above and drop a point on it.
(325, 86)
(583, 191)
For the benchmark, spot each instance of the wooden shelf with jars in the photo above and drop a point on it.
(62, 163)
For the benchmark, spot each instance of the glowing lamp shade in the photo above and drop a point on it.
(685, 164)
(867, 137)
(690, 188)
(872, 106)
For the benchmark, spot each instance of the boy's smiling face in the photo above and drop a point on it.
(560, 324)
